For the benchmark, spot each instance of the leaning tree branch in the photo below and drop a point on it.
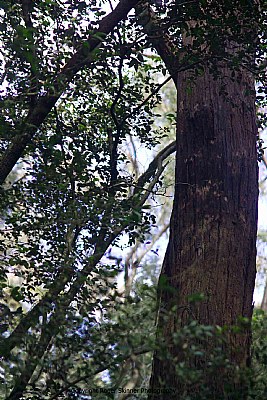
(69, 274)
(51, 329)
(63, 301)
(36, 116)
(153, 166)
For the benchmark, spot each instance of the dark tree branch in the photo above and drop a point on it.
(155, 164)
(43, 106)
(63, 301)
(160, 40)
(69, 274)
(56, 321)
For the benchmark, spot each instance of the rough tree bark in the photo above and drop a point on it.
(212, 246)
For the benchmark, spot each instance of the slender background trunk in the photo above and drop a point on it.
(264, 298)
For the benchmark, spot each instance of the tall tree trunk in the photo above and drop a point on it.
(212, 246)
